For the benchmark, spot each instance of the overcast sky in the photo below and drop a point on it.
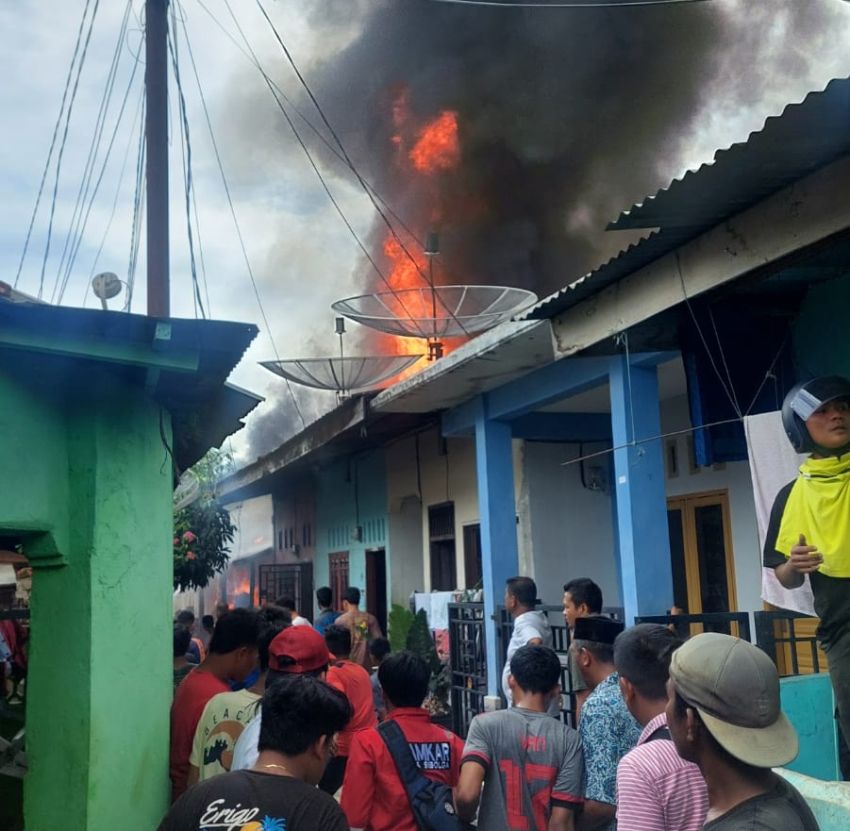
(302, 255)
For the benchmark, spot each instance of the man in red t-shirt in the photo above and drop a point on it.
(233, 655)
(354, 682)
(373, 796)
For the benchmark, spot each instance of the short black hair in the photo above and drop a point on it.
(524, 589)
(352, 595)
(268, 633)
(299, 710)
(235, 629)
(325, 596)
(285, 602)
(584, 591)
(404, 678)
(536, 669)
(208, 621)
(379, 647)
(185, 616)
(642, 656)
(182, 639)
(338, 639)
(276, 615)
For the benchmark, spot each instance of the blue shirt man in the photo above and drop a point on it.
(327, 615)
(608, 730)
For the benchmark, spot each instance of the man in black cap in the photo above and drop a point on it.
(724, 715)
(607, 728)
(809, 528)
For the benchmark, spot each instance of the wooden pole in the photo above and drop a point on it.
(156, 147)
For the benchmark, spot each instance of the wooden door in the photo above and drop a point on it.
(702, 558)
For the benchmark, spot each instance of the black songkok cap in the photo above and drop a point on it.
(597, 629)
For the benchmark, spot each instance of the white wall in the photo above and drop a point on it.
(733, 477)
(571, 527)
(447, 473)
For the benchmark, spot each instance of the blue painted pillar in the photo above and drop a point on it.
(644, 543)
(497, 510)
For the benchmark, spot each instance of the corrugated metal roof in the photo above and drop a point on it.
(805, 137)
(630, 259)
(204, 408)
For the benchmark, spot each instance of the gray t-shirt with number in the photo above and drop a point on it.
(532, 762)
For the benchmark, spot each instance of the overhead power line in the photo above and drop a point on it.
(236, 225)
(356, 172)
(53, 138)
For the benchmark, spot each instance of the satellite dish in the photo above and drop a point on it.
(106, 285)
(343, 375)
(438, 311)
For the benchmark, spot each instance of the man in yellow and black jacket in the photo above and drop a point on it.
(809, 528)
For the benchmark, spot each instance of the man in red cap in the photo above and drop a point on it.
(297, 650)
(355, 684)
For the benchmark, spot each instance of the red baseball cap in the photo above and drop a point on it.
(298, 649)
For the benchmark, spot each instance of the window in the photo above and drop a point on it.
(441, 533)
(338, 576)
(472, 555)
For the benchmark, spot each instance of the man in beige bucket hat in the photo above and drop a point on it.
(724, 715)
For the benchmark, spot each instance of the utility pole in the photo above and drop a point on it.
(156, 155)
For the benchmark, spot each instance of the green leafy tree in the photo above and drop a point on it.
(400, 621)
(203, 530)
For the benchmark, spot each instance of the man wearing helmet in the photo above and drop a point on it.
(809, 528)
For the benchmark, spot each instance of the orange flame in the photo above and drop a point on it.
(437, 147)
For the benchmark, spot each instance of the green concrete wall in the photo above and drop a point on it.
(93, 492)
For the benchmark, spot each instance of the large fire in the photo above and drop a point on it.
(424, 152)
(437, 147)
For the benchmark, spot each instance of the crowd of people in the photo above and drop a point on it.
(281, 726)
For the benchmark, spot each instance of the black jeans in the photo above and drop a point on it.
(838, 655)
(334, 774)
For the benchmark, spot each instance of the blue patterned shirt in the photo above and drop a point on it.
(608, 731)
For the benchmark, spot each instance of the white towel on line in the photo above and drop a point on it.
(773, 464)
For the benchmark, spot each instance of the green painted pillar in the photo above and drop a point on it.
(99, 686)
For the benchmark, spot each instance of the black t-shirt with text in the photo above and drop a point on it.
(832, 594)
(248, 800)
(782, 809)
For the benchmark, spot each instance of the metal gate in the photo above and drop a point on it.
(468, 661)
(288, 580)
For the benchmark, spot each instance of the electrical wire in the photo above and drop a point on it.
(138, 201)
(312, 162)
(52, 142)
(84, 217)
(130, 143)
(62, 144)
(729, 394)
(186, 155)
(278, 92)
(354, 170)
(723, 358)
(73, 237)
(638, 442)
(235, 218)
